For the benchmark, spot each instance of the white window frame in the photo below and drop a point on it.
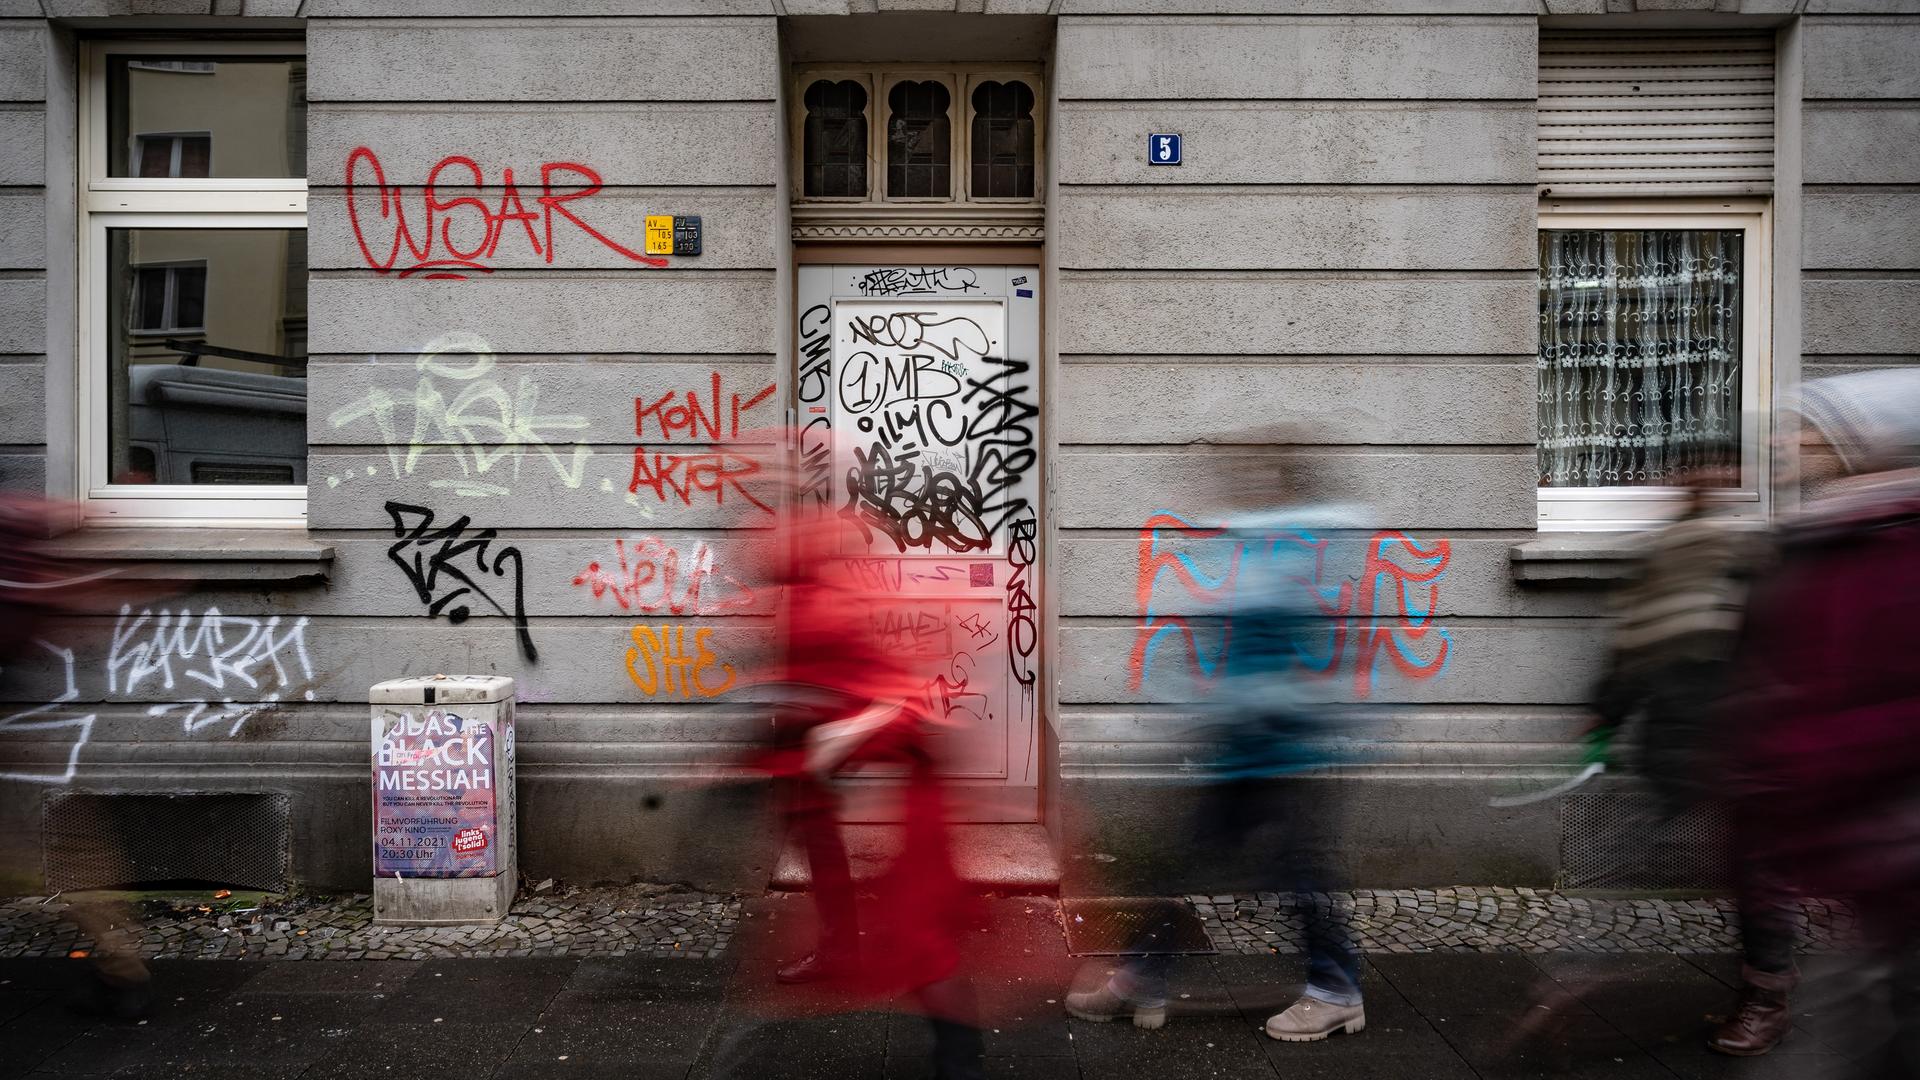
(1613, 509)
(122, 202)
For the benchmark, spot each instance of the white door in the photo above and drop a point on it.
(918, 399)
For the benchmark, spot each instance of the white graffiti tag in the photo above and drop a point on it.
(484, 424)
(219, 655)
(34, 720)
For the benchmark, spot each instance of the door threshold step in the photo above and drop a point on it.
(999, 857)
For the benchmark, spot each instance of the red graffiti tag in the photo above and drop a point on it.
(651, 576)
(438, 254)
(1352, 611)
(683, 413)
(682, 475)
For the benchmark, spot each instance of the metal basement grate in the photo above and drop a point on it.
(99, 839)
(1617, 840)
(1117, 927)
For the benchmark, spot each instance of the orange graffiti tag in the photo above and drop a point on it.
(668, 667)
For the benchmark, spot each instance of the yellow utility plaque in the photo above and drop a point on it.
(659, 234)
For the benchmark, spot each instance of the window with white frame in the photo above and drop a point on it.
(193, 355)
(1652, 374)
(913, 135)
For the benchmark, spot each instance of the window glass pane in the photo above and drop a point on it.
(1639, 367)
(1003, 141)
(228, 117)
(835, 154)
(156, 155)
(207, 365)
(196, 155)
(919, 141)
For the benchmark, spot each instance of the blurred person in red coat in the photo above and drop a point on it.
(844, 701)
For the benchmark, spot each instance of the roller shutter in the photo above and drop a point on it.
(1656, 114)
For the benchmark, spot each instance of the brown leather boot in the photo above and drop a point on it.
(1757, 1025)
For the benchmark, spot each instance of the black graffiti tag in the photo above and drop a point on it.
(436, 564)
(1001, 440)
(910, 330)
(883, 497)
(816, 431)
(1022, 635)
(921, 281)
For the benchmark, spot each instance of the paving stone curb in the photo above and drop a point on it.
(688, 925)
(692, 925)
(1507, 920)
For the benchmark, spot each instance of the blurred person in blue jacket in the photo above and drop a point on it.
(1269, 728)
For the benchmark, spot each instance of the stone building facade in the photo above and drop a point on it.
(484, 416)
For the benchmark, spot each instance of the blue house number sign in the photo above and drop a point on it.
(1163, 149)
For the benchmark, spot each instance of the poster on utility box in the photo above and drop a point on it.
(433, 796)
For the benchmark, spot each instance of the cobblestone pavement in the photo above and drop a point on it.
(591, 922)
(651, 922)
(1507, 920)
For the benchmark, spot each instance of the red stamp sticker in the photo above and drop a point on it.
(469, 841)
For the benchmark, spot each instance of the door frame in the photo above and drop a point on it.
(1000, 802)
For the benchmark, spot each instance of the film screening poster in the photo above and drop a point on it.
(433, 796)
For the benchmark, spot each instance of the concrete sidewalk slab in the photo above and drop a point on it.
(1431, 1016)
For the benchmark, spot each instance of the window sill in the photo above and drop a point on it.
(214, 555)
(1575, 558)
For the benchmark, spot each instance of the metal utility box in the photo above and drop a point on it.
(444, 850)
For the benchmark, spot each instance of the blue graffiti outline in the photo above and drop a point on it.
(1151, 618)
(1319, 664)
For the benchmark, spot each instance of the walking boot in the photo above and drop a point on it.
(1104, 1003)
(819, 965)
(1310, 1020)
(1757, 1025)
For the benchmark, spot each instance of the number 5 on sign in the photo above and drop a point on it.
(1163, 149)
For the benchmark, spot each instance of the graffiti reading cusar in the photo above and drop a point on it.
(437, 561)
(436, 253)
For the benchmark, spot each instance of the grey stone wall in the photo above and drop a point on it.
(674, 110)
(23, 251)
(1348, 251)
(1860, 143)
(509, 394)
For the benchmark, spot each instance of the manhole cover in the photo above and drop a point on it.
(1114, 926)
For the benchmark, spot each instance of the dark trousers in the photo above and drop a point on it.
(1229, 814)
(1767, 908)
(814, 818)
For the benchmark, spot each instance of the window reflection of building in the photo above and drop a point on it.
(183, 156)
(208, 376)
(201, 118)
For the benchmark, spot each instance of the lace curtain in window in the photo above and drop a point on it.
(1639, 367)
